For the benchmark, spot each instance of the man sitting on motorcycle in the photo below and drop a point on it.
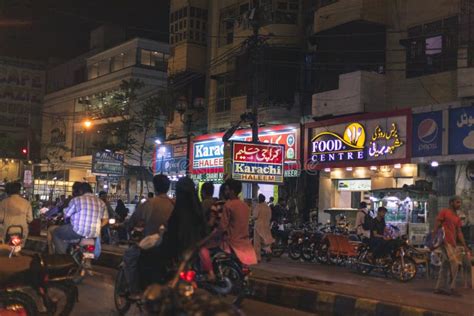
(14, 211)
(151, 215)
(234, 224)
(87, 215)
(378, 242)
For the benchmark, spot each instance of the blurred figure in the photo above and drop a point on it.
(279, 211)
(271, 203)
(262, 215)
(207, 192)
(104, 197)
(15, 210)
(121, 211)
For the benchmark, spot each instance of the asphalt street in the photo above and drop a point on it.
(96, 298)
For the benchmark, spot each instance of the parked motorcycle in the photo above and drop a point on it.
(397, 262)
(26, 284)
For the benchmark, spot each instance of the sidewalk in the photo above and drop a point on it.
(287, 282)
(330, 290)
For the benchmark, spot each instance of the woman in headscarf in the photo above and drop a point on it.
(187, 224)
(186, 227)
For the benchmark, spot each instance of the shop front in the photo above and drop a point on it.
(170, 159)
(207, 157)
(357, 157)
(443, 149)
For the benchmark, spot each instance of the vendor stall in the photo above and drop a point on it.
(407, 209)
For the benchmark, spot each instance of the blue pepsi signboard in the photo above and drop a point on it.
(461, 130)
(427, 134)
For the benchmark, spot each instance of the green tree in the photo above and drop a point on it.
(132, 123)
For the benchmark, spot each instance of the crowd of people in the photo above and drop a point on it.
(183, 221)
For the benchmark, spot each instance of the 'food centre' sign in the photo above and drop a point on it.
(369, 139)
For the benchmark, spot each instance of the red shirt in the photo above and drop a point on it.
(451, 224)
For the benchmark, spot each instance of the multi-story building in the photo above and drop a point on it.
(22, 87)
(217, 61)
(378, 56)
(86, 83)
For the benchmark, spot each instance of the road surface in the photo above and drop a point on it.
(96, 298)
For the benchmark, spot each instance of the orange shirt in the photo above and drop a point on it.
(451, 224)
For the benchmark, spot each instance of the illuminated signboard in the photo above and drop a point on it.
(362, 141)
(257, 162)
(329, 146)
(207, 157)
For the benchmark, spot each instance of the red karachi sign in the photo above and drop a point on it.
(257, 162)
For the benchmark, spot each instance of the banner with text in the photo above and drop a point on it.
(258, 162)
(360, 140)
(207, 151)
(107, 163)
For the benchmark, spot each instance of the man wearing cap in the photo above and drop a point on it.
(450, 222)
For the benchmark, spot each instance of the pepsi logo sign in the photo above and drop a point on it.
(427, 131)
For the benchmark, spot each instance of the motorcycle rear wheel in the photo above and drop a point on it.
(321, 252)
(294, 252)
(16, 301)
(239, 285)
(406, 272)
(362, 264)
(121, 289)
(307, 252)
(64, 295)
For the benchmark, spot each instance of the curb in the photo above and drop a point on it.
(328, 303)
(283, 294)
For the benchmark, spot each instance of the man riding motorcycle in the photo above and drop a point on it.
(87, 215)
(14, 210)
(150, 215)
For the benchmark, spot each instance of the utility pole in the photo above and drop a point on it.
(255, 50)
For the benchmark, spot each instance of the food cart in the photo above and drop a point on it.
(408, 210)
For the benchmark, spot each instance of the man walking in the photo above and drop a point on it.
(450, 222)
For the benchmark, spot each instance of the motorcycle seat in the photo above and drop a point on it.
(59, 265)
(18, 270)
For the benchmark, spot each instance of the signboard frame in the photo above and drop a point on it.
(308, 135)
(277, 165)
(119, 160)
(216, 171)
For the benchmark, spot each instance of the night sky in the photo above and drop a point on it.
(41, 29)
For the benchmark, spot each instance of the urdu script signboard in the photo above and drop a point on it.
(258, 162)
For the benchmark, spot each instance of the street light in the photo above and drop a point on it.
(87, 124)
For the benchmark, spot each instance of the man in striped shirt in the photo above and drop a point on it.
(88, 214)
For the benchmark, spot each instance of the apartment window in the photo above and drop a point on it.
(93, 71)
(286, 12)
(117, 62)
(228, 17)
(186, 24)
(154, 59)
(223, 93)
(432, 47)
(104, 67)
